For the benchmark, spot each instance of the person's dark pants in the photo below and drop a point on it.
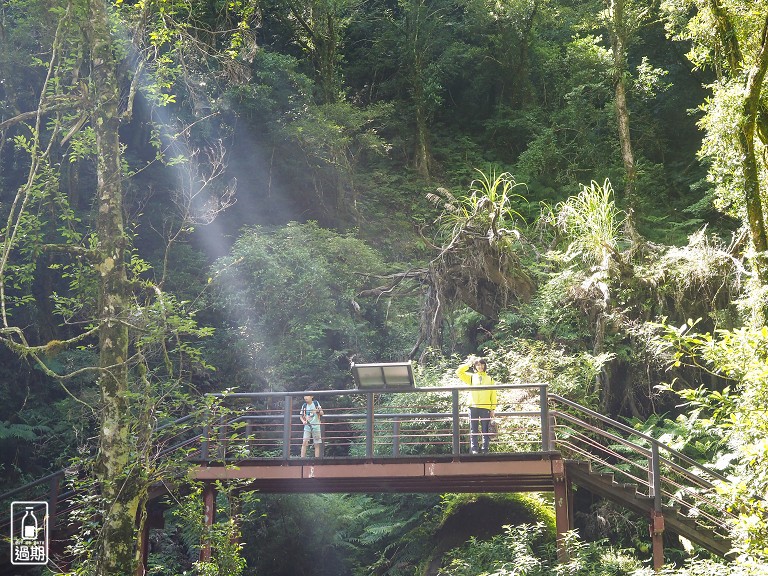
(479, 422)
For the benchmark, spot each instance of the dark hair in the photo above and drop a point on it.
(481, 361)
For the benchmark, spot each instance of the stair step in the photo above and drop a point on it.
(627, 495)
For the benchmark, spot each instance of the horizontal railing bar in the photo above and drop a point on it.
(347, 415)
(175, 422)
(689, 461)
(326, 393)
(646, 452)
(32, 484)
(591, 428)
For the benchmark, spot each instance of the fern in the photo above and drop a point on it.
(23, 432)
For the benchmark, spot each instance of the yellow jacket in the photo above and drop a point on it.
(478, 398)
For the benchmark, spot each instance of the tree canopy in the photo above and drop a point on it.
(207, 195)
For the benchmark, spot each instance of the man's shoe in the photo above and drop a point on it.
(473, 451)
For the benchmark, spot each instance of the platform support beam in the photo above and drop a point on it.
(209, 511)
(563, 507)
(657, 537)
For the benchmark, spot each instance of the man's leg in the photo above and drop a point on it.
(317, 440)
(473, 429)
(305, 441)
(485, 425)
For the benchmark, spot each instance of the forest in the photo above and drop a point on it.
(253, 195)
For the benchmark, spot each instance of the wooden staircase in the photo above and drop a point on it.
(641, 474)
(627, 495)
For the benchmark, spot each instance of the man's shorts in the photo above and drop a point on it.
(314, 431)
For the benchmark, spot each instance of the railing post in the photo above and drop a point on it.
(396, 437)
(222, 452)
(655, 477)
(455, 423)
(249, 443)
(369, 425)
(546, 432)
(287, 409)
(206, 436)
(53, 499)
(657, 516)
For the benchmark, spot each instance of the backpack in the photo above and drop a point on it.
(305, 409)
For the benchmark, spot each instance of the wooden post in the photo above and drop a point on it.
(657, 538)
(209, 510)
(563, 499)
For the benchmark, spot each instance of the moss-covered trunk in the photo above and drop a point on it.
(619, 41)
(118, 479)
(753, 200)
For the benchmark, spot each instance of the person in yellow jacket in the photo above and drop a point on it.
(482, 403)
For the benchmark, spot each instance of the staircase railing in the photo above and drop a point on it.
(671, 481)
(57, 489)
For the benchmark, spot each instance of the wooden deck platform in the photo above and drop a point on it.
(524, 472)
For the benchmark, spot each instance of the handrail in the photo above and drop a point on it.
(623, 427)
(601, 434)
(647, 452)
(361, 415)
(20, 489)
(62, 473)
(299, 394)
(274, 429)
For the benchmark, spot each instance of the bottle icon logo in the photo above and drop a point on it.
(29, 533)
(29, 524)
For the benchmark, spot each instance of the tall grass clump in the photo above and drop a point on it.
(591, 224)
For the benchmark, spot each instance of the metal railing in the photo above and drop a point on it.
(418, 423)
(367, 424)
(63, 489)
(672, 480)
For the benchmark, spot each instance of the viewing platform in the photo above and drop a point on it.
(388, 435)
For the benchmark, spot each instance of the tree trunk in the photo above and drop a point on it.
(730, 43)
(416, 33)
(326, 58)
(627, 155)
(422, 160)
(121, 490)
(619, 48)
(521, 75)
(755, 215)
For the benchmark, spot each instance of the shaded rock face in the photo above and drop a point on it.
(483, 519)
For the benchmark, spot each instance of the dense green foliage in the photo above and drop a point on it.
(308, 185)
(291, 295)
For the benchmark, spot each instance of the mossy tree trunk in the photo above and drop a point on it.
(752, 192)
(732, 64)
(416, 48)
(622, 25)
(116, 471)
